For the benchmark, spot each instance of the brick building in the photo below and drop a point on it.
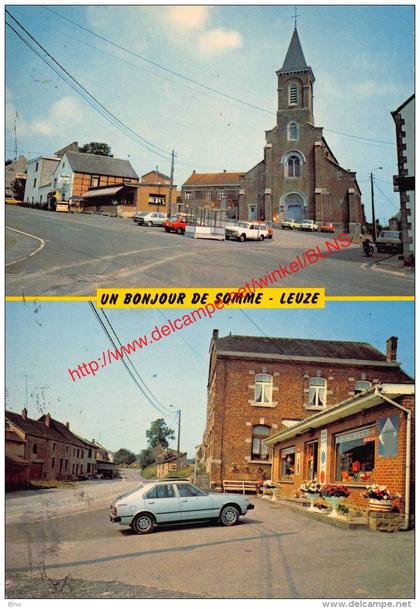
(154, 193)
(260, 386)
(299, 176)
(50, 448)
(363, 440)
(213, 190)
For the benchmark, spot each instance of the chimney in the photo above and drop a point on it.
(47, 420)
(391, 349)
(215, 334)
(24, 413)
(224, 171)
(67, 425)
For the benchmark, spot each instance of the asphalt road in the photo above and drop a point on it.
(273, 553)
(75, 254)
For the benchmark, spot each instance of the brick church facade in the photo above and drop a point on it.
(299, 176)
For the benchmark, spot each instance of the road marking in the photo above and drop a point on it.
(91, 261)
(38, 249)
(373, 267)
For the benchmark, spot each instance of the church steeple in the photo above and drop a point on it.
(295, 59)
(295, 85)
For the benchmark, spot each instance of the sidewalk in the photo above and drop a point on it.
(395, 265)
(19, 246)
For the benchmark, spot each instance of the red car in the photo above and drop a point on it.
(326, 227)
(176, 224)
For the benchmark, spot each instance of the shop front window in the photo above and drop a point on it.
(355, 455)
(288, 462)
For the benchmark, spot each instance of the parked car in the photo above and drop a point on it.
(389, 241)
(290, 224)
(149, 218)
(176, 224)
(155, 503)
(269, 226)
(308, 225)
(248, 230)
(12, 201)
(327, 227)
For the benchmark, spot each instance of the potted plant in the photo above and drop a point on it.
(334, 495)
(311, 489)
(268, 488)
(380, 498)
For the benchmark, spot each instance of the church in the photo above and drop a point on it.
(299, 176)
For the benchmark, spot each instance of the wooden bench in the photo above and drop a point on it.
(240, 485)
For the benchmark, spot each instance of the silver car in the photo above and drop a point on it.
(152, 218)
(155, 503)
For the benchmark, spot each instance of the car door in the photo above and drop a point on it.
(164, 503)
(195, 503)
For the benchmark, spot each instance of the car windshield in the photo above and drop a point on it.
(390, 234)
(243, 224)
(142, 213)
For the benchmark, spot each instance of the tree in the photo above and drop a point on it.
(159, 434)
(123, 455)
(99, 148)
(18, 188)
(146, 457)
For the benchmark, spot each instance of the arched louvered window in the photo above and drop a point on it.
(293, 94)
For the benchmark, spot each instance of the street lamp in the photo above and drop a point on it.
(372, 194)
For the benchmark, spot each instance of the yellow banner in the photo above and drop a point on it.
(218, 298)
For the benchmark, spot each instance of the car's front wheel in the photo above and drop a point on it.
(229, 516)
(261, 237)
(179, 231)
(242, 238)
(150, 223)
(143, 524)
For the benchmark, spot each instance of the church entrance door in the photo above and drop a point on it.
(294, 207)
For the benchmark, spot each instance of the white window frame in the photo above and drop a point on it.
(314, 392)
(263, 451)
(188, 195)
(263, 393)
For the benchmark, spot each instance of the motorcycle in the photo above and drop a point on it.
(367, 248)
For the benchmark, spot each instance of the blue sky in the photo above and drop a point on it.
(362, 57)
(45, 339)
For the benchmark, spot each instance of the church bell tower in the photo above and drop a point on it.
(295, 86)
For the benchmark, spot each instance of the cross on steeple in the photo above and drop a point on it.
(295, 16)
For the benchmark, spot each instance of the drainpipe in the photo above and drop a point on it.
(407, 457)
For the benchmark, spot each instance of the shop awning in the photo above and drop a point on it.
(102, 192)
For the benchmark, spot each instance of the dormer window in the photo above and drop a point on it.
(293, 94)
(293, 131)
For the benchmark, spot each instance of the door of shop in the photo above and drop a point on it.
(312, 460)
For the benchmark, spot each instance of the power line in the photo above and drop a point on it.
(92, 306)
(96, 103)
(200, 84)
(132, 365)
(394, 205)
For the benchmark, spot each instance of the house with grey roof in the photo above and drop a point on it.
(258, 386)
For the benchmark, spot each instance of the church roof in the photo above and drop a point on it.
(295, 59)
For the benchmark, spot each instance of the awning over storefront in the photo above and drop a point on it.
(102, 192)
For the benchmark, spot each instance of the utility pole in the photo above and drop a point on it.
(179, 434)
(372, 195)
(171, 184)
(15, 133)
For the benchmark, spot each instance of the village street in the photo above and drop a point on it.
(273, 553)
(74, 254)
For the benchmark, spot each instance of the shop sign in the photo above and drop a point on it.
(359, 434)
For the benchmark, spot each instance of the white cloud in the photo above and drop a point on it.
(218, 41)
(367, 88)
(189, 17)
(64, 111)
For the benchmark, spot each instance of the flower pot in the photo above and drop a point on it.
(312, 498)
(380, 505)
(334, 502)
